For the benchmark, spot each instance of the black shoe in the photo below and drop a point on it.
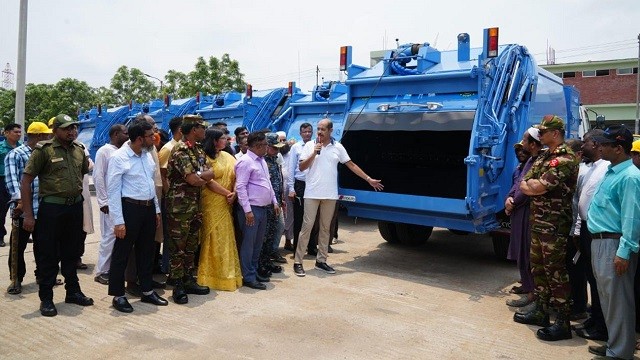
(79, 299)
(154, 299)
(330, 249)
(298, 270)
(586, 324)
(264, 272)
(102, 279)
(254, 285)
(274, 269)
(262, 279)
(179, 294)
(15, 288)
(598, 350)
(279, 259)
(81, 266)
(324, 267)
(158, 285)
(560, 329)
(47, 308)
(289, 247)
(133, 289)
(536, 317)
(122, 304)
(2, 243)
(192, 287)
(592, 333)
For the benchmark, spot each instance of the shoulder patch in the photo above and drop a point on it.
(553, 163)
(78, 144)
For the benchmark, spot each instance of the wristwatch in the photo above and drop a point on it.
(199, 173)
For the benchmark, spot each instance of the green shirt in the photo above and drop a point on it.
(615, 207)
(4, 150)
(59, 169)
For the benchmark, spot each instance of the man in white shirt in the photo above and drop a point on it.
(321, 157)
(135, 213)
(589, 178)
(117, 136)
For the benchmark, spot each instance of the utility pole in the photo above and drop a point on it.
(22, 63)
(637, 131)
(153, 77)
(317, 72)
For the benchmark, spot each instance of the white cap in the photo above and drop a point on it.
(535, 133)
(282, 133)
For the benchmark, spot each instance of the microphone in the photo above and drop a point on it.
(317, 151)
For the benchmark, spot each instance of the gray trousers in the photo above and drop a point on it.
(616, 297)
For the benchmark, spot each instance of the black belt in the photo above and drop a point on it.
(605, 235)
(61, 200)
(139, 202)
(263, 206)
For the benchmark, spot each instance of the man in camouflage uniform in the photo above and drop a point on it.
(187, 174)
(550, 183)
(275, 221)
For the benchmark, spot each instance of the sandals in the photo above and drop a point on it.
(15, 288)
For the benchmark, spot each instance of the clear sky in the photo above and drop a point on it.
(280, 41)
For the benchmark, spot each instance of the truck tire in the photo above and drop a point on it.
(500, 246)
(413, 235)
(388, 231)
(459, 232)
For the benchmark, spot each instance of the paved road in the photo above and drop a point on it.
(445, 300)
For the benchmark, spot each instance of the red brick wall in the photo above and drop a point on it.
(611, 89)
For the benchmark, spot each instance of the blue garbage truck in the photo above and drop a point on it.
(438, 127)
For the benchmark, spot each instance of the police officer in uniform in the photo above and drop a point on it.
(59, 164)
(550, 183)
(187, 174)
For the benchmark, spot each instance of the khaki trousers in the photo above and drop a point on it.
(311, 208)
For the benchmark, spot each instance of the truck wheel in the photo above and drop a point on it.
(388, 231)
(459, 232)
(500, 246)
(413, 235)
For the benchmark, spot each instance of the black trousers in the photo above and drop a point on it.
(5, 197)
(298, 214)
(17, 246)
(577, 277)
(585, 249)
(140, 222)
(58, 232)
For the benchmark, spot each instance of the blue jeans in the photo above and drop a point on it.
(252, 239)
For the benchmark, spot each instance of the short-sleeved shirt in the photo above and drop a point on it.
(4, 150)
(165, 153)
(59, 169)
(186, 158)
(322, 177)
(557, 170)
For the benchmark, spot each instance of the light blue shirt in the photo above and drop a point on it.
(615, 207)
(129, 175)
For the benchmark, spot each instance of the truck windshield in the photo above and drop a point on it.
(414, 153)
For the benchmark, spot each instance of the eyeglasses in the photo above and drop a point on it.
(150, 135)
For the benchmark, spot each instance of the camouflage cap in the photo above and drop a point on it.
(519, 145)
(193, 119)
(551, 122)
(62, 121)
(635, 147)
(274, 140)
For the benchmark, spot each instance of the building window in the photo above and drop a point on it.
(602, 72)
(558, 74)
(568, 74)
(627, 71)
(588, 73)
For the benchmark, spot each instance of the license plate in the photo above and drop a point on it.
(349, 198)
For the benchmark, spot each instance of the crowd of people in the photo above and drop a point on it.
(575, 220)
(208, 214)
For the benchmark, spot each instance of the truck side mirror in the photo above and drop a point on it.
(600, 122)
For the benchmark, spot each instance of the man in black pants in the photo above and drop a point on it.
(59, 164)
(296, 182)
(12, 134)
(135, 213)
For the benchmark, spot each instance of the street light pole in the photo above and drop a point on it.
(22, 64)
(638, 91)
(153, 77)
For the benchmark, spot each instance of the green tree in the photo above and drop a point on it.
(213, 76)
(105, 96)
(131, 84)
(7, 106)
(175, 84)
(39, 102)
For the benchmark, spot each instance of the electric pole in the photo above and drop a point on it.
(637, 131)
(22, 63)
